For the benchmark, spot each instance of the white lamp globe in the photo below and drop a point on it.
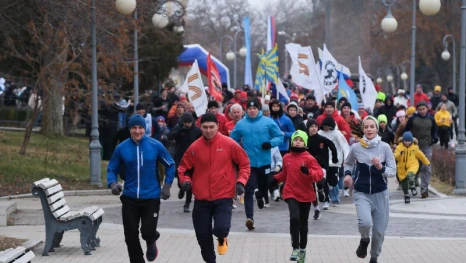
(379, 80)
(125, 7)
(389, 24)
(404, 76)
(160, 20)
(178, 29)
(430, 7)
(243, 51)
(389, 78)
(446, 55)
(230, 55)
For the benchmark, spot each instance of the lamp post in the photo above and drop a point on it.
(428, 8)
(446, 56)
(221, 45)
(403, 75)
(379, 78)
(232, 55)
(283, 33)
(389, 23)
(460, 152)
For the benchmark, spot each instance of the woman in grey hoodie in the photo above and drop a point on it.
(374, 162)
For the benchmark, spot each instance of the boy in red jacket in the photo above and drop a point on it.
(300, 171)
(212, 161)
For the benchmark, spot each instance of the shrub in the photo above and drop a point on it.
(443, 165)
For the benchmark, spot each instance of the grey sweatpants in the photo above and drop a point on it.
(373, 212)
(426, 171)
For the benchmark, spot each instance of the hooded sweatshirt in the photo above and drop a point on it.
(298, 185)
(338, 139)
(251, 133)
(407, 158)
(368, 179)
(388, 110)
(284, 123)
(443, 118)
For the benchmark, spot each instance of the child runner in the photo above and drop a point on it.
(318, 146)
(300, 171)
(408, 156)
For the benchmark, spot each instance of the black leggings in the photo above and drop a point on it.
(299, 220)
(444, 136)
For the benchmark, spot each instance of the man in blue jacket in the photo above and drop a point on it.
(140, 200)
(284, 123)
(257, 134)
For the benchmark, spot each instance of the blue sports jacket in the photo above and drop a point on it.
(140, 163)
(251, 133)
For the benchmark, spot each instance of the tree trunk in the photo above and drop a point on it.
(29, 126)
(52, 111)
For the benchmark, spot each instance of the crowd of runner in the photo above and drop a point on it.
(306, 153)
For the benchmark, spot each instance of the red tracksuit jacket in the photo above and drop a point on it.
(299, 185)
(213, 163)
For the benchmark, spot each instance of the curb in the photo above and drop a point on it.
(31, 244)
(67, 193)
(436, 192)
(6, 209)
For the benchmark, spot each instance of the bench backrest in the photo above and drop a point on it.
(55, 203)
(17, 255)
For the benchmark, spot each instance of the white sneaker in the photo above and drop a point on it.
(345, 193)
(326, 205)
(276, 195)
(266, 205)
(234, 204)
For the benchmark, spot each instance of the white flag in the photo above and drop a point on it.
(281, 90)
(329, 74)
(195, 88)
(304, 70)
(366, 89)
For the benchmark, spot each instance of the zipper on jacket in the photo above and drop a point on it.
(137, 150)
(357, 178)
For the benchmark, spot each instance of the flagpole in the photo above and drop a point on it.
(320, 83)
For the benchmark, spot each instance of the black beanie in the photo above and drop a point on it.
(346, 104)
(311, 122)
(208, 117)
(330, 103)
(311, 97)
(328, 121)
(139, 106)
(212, 103)
(255, 103)
(187, 117)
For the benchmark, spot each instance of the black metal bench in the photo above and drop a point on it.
(59, 217)
(18, 255)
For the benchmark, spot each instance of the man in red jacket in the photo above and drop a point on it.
(211, 160)
(212, 107)
(329, 111)
(419, 95)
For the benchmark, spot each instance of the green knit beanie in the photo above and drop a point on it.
(300, 134)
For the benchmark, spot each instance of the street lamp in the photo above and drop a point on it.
(389, 78)
(389, 23)
(404, 76)
(283, 33)
(379, 78)
(243, 54)
(230, 46)
(460, 152)
(125, 7)
(446, 56)
(231, 55)
(429, 7)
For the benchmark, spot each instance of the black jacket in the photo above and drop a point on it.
(298, 122)
(183, 139)
(387, 135)
(453, 98)
(318, 147)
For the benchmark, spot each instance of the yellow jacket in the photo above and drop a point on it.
(407, 159)
(443, 118)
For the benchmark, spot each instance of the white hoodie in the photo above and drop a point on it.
(340, 143)
(277, 158)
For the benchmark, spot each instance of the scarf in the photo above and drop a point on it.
(297, 149)
(366, 143)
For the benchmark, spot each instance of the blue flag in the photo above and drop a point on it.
(346, 91)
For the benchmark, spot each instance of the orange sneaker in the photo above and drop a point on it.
(222, 246)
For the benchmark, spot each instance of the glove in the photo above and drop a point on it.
(239, 188)
(266, 145)
(304, 170)
(434, 140)
(116, 188)
(274, 183)
(186, 186)
(166, 191)
(335, 160)
(277, 168)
